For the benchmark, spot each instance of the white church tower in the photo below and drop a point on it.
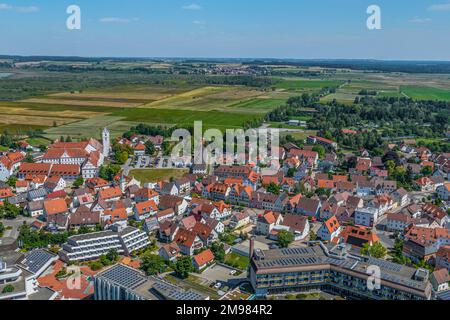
(106, 143)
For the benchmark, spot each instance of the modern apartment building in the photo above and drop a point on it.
(336, 270)
(121, 282)
(91, 246)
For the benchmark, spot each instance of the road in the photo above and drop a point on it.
(15, 225)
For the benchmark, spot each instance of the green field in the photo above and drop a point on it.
(155, 175)
(211, 119)
(426, 93)
(237, 261)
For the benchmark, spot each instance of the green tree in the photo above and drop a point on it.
(426, 171)
(79, 182)
(273, 188)
(377, 250)
(11, 181)
(184, 266)
(153, 264)
(2, 229)
(285, 238)
(149, 148)
(9, 211)
(218, 251)
(320, 150)
(112, 255)
(8, 289)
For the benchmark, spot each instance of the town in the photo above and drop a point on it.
(77, 225)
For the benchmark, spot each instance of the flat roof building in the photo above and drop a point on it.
(122, 282)
(336, 270)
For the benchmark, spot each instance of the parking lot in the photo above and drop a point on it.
(222, 273)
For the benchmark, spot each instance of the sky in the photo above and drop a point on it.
(303, 29)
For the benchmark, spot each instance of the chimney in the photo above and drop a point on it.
(252, 247)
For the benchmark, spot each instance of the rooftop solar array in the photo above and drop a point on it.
(176, 293)
(36, 259)
(124, 276)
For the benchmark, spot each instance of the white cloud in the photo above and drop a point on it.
(420, 20)
(439, 7)
(199, 23)
(27, 9)
(5, 6)
(117, 20)
(192, 7)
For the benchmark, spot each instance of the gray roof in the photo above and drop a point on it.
(317, 255)
(36, 259)
(18, 199)
(39, 193)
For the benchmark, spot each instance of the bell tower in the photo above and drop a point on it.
(106, 142)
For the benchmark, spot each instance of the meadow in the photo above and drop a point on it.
(156, 175)
(426, 93)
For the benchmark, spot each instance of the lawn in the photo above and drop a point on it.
(193, 282)
(155, 175)
(237, 261)
(426, 93)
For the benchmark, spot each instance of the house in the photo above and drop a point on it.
(96, 184)
(55, 183)
(214, 224)
(170, 252)
(239, 220)
(357, 236)
(168, 230)
(165, 214)
(397, 222)
(367, 216)
(143, 210)
(5, 193)
(55, 207)
(217, 191)
(169, 188)
(203, 259)
(83, 217)
(188, 241)
(425, 184)
(443, 258)
(146, 194)
(110, 194)
(35, 208)
(188, 223)
(308, 207)
(444, 192)
(139, 149)
(266, 222)
(9, 164)
(22, 186)
(205, 233)
(298, 225)
(330, 229)
(183, 185)
(241, 195)
(423, 243)
(440, 280)
(401, 197)
(178, 204)
(322, 141)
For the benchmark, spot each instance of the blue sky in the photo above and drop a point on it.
(411, 30)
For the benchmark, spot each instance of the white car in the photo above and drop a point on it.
(218, 285)
(233, 272)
